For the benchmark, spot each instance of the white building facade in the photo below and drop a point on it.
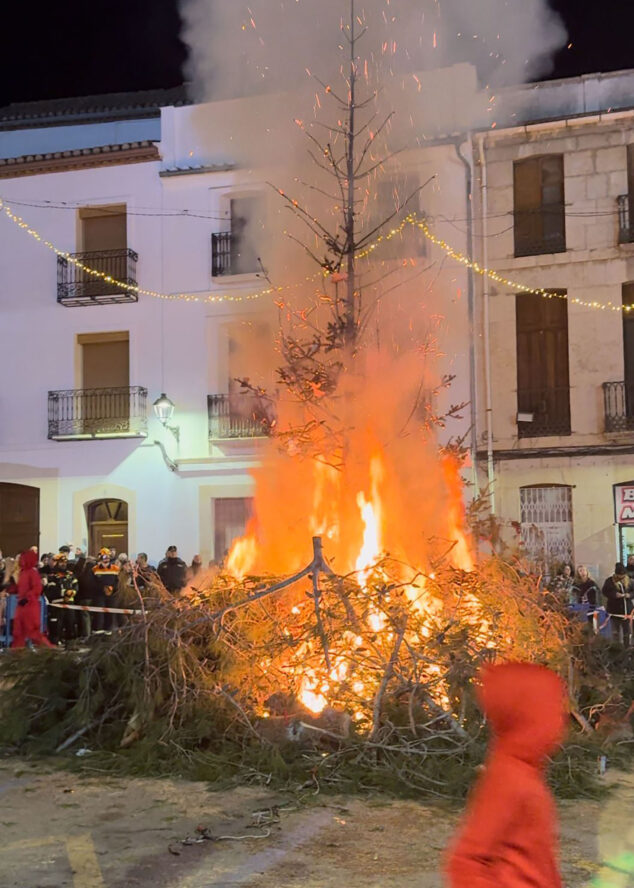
(136, 188)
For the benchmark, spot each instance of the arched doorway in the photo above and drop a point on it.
(19, 518)
(107, 521)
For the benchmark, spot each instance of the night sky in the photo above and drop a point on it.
(85, 47)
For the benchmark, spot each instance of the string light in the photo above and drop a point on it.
(411, 220)
(123, 285)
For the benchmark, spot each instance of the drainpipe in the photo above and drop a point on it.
(484, 210)
(470, 307)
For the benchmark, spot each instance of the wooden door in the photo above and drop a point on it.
(107, 522)
(19, 518)
(109, 536)
(543, 382)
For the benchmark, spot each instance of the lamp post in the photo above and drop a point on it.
(164, 410)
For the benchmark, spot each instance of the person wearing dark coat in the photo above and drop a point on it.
(89, 593)
(585, 588)
(617, 590)
(172, 571)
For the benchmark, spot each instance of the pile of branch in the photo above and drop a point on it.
(316, 680)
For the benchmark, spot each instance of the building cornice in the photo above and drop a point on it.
(611, 449)
(78, 159)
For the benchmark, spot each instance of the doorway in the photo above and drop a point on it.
(19, 518)
(107, 522)
(105, 381)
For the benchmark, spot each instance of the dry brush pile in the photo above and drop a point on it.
(325, 682)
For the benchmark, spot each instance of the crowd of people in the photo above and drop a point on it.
(106, 582)
(616, 594)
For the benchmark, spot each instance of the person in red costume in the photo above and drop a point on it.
(509, 836)
(27, 616)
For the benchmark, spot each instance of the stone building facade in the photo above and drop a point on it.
(553, 209)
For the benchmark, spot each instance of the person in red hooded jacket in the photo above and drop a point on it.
(509, 836)
(28, 614)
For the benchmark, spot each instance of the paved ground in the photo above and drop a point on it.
(61, 831)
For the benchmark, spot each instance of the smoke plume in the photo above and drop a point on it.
(239, 47)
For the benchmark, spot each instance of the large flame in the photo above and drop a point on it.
(372, 517)
(388, 508)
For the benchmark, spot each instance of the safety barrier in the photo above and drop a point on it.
(6, 621)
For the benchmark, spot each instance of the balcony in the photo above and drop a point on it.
(77, 287)
(618, 401)
(626, 232)
(232, 255)
(234, 417)
(88, 414)
(549, 410)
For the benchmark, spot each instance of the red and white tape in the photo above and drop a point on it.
(97, 610)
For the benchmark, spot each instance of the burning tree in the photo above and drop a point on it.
(361, 654)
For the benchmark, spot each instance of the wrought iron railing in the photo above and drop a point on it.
(549, 410)
(78, 287)
(618, 401)
(626, 231)
(239, 416)
(540, 231)
(231, 254)
(77, 414)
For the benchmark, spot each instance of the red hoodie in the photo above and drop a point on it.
(509, 836)
(29, 582)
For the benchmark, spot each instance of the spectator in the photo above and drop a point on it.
(126, 592)
(585, 588)
(65, 582)
(194, 568)
(561, 586)
(108, 575)
(89, 593)
(142, 562)
(617, 590)
(172, 571)
(630, 566)
(27, 622)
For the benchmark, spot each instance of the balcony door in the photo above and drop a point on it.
(543, 386)
(105, 381)
(103, 244)
(107, 522)
(19, 518)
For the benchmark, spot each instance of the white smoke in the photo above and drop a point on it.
(244, 46)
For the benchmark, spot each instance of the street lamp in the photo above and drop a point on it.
(164, 410)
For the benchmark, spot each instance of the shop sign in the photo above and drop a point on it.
(624, 503)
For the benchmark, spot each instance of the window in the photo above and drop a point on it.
(543, 388)
(538, 201)
(619, 396)
(238, 250)
(546, 527)
(230, 521)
